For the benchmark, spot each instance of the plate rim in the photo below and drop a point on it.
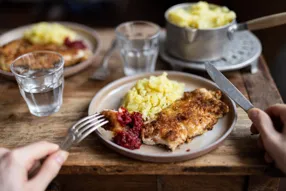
(68, 70)
(197, 152)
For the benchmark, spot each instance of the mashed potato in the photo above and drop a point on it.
(150, 96)
(202, 16)
(49, 33)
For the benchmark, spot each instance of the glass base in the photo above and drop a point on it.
(43, 114)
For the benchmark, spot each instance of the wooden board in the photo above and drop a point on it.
(151, 183)
(238, 155)
(263, 183)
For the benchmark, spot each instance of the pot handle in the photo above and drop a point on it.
(257, 24)
(267, 21)
(261, 23)
(235, 27)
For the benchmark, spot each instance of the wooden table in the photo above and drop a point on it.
(236, 165)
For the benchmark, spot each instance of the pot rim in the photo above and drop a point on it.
(181, 5)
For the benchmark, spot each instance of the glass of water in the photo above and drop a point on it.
(40, 78)
(138, 42)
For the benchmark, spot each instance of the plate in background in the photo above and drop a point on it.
(87, 34)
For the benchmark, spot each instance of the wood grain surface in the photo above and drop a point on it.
(152, 183)
(238, 155)
(263, 183)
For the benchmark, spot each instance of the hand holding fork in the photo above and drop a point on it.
(76, 134)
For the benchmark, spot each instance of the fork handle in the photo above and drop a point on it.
(65, 145)
(108, 54)
(35, 169)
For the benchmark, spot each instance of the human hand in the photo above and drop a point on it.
(271, 140)
(15, 165)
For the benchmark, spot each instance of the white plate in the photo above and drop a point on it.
(111, 96)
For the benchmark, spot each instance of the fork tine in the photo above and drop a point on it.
(83, 119)
(90, 131)
(90, 125)
(82, 125)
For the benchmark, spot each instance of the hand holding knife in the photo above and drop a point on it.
(230, 90)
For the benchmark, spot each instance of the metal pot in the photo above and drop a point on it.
(202, 45)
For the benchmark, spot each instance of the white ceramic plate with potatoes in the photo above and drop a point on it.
(110, 97)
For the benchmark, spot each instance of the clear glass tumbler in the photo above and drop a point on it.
(40, 78)
(138, 42)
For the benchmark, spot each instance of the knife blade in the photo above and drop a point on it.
(228, 88)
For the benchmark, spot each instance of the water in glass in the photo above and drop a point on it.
(138, 42)
(138, 61)
(45, 99)
(41, 88)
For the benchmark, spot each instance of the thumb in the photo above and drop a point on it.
(262, 122)
(49, 170)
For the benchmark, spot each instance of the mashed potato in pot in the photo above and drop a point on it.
(150, 96)
(201, 15)
(49, 33)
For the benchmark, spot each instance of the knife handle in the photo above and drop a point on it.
(277, 123)
(272, 170)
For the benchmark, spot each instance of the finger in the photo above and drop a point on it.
(268, 158)
(262, 122)
(35, 151)
(278, 110)
(260, 143)
(278, 115)
(49, 170)
(253, 129)
(3, 151)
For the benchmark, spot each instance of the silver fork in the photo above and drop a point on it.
(102, 73)
(76, 134)
(82, 129)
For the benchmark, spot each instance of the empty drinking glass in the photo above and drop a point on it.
(138, 42)
(40, 78)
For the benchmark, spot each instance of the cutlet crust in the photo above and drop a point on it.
(194, 114)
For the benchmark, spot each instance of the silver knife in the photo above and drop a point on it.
(228, 88)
